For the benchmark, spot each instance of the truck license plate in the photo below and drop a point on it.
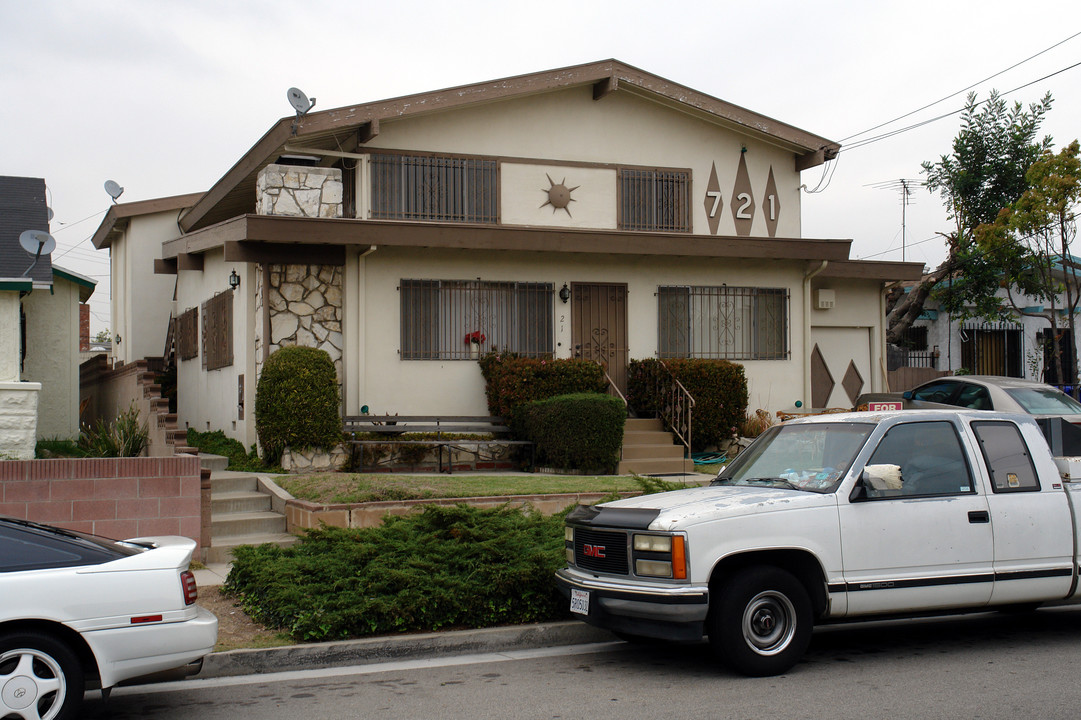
(580, 601)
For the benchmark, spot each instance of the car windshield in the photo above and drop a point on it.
(1045, 401)
(812, 457)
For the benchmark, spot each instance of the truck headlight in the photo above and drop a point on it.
(663, 556)
(653, 568)
(568, 533)
(653, 543)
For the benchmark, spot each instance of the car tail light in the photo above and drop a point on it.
(191, 590)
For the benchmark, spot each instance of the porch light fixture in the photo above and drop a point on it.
(564, 293)
(234, 280)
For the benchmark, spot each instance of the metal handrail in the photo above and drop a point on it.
(611, 383)
(674, 405)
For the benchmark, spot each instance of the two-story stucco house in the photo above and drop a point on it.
(595, 211)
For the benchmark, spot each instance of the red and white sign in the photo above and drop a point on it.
(885, 406)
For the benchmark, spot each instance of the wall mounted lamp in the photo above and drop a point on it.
(564, 293)
(234, 280)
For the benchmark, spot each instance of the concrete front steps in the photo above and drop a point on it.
(241, 515)
(648, 449)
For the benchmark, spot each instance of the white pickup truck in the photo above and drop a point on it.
(834, 518)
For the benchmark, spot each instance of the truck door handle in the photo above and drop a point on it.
(979, 516)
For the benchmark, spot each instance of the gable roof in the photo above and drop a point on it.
(22, 207)
(344, 129)
(118, 218)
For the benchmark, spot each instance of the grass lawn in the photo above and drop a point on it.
(353, 488)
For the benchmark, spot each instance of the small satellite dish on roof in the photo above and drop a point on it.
(300, 103)
(37, 243)
(113, 189)
(50, 211)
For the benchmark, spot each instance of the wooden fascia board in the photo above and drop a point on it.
(165, 267)
(268, 145)
(284, 253)
(116, 220)
(186, 261)
(872, 270)
(208, 238)
(324, 231)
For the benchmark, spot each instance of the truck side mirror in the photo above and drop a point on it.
(859, 490)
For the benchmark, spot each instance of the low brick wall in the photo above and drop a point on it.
(114, 497)
(301, 514)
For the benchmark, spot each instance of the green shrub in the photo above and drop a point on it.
(216, 443)
(445, 567)
(719, 389)
(296, 402)
(582, 431)
(123, 437)
(56, 447)
(512, 381)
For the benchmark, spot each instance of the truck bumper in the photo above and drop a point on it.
(656, 611)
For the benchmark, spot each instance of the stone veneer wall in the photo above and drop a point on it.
(299, 191)
(114, 497)
(18, 419)
(304, 302)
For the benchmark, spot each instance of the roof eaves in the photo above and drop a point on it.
(118, 217)
(612, 73)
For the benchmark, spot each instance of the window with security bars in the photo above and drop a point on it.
(731, 323)
(423, 187)
(187, 334)
(460, 319)
(218, 331)
(654, 200)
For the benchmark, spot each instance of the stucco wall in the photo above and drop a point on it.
(375, 376)
(9, 336)
(622, 129)
(141, 300)
(52, 356)
(208, 400)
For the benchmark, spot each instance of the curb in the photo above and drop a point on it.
(403, 647)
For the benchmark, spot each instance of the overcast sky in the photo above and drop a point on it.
(163, 97)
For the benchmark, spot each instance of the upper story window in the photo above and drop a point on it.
(731, 323)
(655, 200)
(459, 319)
(428, 187)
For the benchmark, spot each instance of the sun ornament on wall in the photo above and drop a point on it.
(559, 195)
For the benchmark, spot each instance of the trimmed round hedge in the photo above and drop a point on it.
(296, 402)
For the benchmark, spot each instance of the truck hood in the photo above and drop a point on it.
(681, 508)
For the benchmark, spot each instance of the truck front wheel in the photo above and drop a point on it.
(761, 624)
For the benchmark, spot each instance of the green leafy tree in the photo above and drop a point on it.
(984, 173)
(1031, 240)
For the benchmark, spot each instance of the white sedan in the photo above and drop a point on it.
(78, 609)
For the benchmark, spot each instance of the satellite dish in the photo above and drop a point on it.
(113, 189)
(300, 103)
(50, 211)
(37, 242)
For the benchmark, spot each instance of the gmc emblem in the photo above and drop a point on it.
(595, 551)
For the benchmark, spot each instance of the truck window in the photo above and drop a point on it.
(1007, 457)
(929, 458)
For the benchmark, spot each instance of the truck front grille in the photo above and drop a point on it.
(600, 551)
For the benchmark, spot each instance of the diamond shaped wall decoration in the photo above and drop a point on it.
(771, 205)
(853, 382)
(822, 383)
(713, 201)
(743, 199)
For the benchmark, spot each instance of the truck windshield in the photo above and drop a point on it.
(812, 457)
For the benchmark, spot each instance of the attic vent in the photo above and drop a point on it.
(298, 160)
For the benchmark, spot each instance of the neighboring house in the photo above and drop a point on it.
(596, 211)
(142, 302)
(39, 328)
(1020, 346)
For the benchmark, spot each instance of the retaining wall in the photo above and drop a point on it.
(114, 497)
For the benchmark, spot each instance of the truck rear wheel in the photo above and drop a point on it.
(762, 622)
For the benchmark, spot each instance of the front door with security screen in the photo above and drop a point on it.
(599, 327)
